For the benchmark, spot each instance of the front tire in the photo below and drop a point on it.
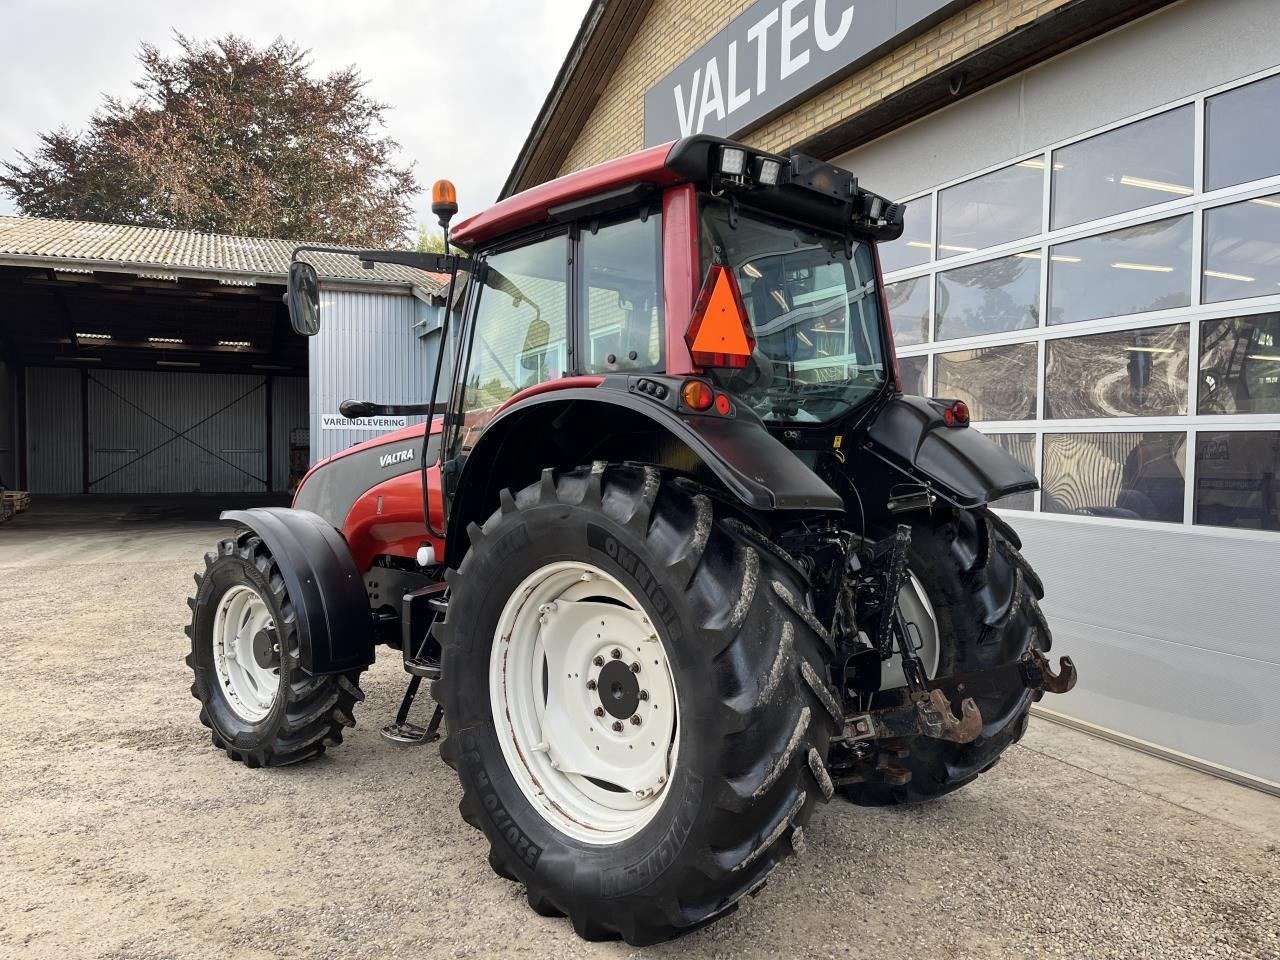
(259, 705)
(747, 664)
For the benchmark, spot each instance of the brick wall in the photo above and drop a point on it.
(673, 29)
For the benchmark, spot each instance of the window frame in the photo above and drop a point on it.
(1196, 204)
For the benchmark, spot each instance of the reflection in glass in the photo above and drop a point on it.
(1242, 134)
(1238, 479)
(912, 248)
(995, 208)
(622, 296)
(1130, 373)
(912, 370)
(998, 383)
(1138, 476)
(1133, 270)
(909, 310)
(1240, 365)
(1127, 168)
(1022, 447)
(1241, 252)
(989, 297)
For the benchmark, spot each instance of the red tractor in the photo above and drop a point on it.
(680, 558)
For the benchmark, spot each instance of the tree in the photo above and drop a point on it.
(228, 137)
(429, 241)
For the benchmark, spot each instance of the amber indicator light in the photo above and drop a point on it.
(697, 395)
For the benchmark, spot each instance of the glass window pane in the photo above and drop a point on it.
(1242, 134)
(1139, 476)
(912, 370)
(998, 383)
(1147, 267)
(1241, 252)
(912, 248)
(994, 208)
(1238, 479)
(1240, 365)
(1123, 169)
(1130, 373)
(989, 297)
(623, 296)
(1022, 447)
(520, 323)
(909, 310)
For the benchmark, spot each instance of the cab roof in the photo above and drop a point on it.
(533, 206)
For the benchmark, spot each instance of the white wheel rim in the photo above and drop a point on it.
(922, 628)
(248, 679)
(568, 639)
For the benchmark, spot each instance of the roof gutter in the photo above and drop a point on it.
(163, 272)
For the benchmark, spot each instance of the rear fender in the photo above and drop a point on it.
(335, 628)
(959, 463)
(566, 428)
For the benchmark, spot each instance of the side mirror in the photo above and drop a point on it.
(303, 298)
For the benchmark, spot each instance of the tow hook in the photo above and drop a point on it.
(931, 716)
(1037, 673)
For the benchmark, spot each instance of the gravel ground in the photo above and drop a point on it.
(124, 835)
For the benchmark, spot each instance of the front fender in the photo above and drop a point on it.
(959, 463)
(749, 462)
(335, 628)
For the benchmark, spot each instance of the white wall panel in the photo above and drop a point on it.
(1175, 631)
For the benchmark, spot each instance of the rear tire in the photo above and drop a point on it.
(985, 599)
(748, 667)
(268, 712)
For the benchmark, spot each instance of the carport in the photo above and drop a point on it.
(137, 360)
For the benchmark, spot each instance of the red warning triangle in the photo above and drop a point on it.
(719, 333)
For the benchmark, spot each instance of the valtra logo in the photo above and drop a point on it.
(400, 456)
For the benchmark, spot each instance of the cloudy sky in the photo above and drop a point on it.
(464, 78)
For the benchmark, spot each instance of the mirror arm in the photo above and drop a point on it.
(430, 262)
(359, 409)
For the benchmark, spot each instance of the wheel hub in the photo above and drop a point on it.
(584, 702)
(246, 652)
(266, 652)
(619, 690)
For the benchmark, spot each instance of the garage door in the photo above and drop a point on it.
(131, 431)
(176, 432)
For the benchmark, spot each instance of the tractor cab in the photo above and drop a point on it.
(679, 556)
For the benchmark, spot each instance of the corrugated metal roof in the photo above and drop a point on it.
(143, 249)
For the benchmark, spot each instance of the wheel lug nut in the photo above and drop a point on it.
(599, 711)
(598, 661)
(635, 667)
(591, 684)
(644, 694)
(617, 726)
(616, 653)
(635, 719)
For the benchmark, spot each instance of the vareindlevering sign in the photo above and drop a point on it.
(333, 421)
(773, 53)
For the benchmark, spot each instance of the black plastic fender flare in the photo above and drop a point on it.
(328, 593)
(753, 465)
(961, 464)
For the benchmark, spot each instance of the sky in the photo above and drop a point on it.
(464, 79)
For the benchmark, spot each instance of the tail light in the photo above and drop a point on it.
(697, 395)
(719, 333)
(956, 414)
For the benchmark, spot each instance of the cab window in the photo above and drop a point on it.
(519, 335)
(621, 296)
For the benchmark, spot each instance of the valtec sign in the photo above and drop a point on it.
(773, 53)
